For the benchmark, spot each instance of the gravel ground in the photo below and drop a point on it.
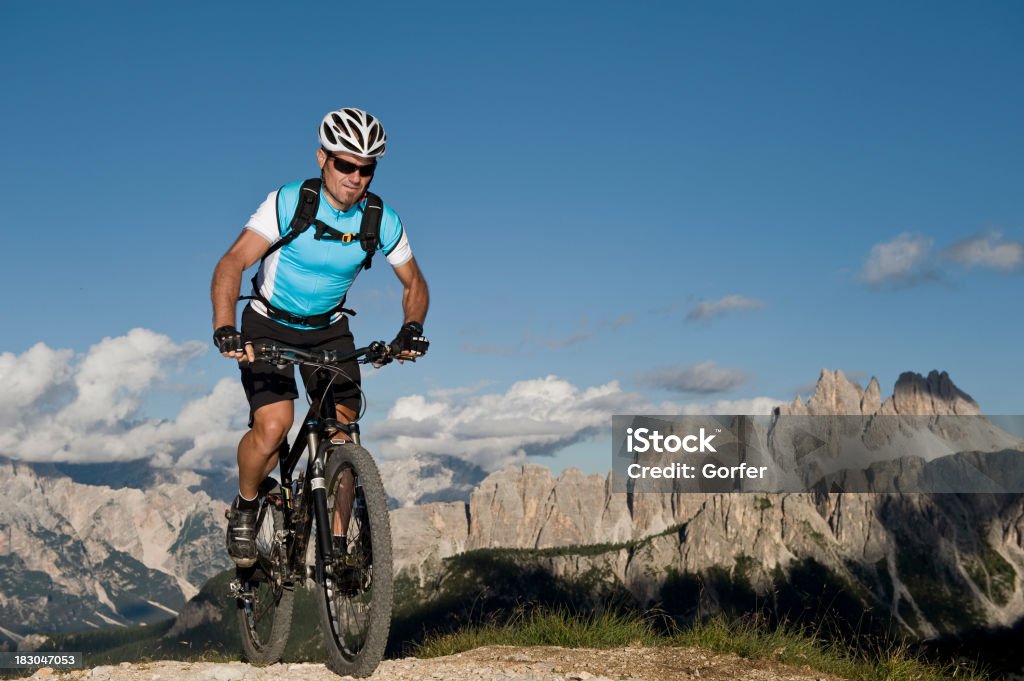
(492, 663)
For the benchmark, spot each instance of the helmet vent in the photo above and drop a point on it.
(329, 134)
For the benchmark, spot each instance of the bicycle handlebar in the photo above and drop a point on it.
(378, 353)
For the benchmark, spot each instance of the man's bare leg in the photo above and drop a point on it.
(258, 449)
(346, 487)
(257, 456)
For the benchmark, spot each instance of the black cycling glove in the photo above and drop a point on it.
(228, 339)
(410, 339)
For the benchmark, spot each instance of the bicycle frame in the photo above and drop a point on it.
(320, 417)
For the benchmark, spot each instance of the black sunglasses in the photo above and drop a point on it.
(346, 168)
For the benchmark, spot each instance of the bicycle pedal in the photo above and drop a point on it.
(236, 589)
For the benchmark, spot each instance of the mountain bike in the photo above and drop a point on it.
(353, 582)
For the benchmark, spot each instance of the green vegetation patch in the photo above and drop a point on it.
(543, 627)
(816, 536)
(992, 574)
(750, 638)
(941, 596)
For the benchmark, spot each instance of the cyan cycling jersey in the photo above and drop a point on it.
(309, 277)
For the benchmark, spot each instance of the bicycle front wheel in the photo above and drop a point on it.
(355, 596)
(265, 600)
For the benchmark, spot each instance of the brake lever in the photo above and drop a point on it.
(271, 355)
(383, 354)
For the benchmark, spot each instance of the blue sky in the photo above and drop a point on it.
(701, 202)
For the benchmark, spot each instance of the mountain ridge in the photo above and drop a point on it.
(527, 507)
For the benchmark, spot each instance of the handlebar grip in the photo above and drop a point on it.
(377, 352)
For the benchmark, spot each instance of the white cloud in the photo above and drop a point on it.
(28, 377)
(215, 422)
(461, 390)
(114, 375)
(533, 417)
(715, 308)
(988, 250)
(902, 261)
(754, 406)
(86, 408)
(702, 377)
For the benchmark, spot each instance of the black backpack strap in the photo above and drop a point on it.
(317, 320)
(304, 216)
(369, 228)
(324, 232)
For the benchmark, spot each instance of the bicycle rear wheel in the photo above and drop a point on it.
(355, 597)
(265, 600)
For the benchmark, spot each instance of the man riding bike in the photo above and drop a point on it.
(309, 261)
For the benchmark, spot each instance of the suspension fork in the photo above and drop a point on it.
(318, 487)
(318, 482)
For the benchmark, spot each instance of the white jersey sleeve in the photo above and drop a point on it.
(264, 220)
(393, 240)
(401, 253)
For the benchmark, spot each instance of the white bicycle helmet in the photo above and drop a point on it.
(353, 131)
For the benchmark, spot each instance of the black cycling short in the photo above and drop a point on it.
(265, 383)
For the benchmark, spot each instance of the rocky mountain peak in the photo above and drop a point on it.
(935, 395)
(835, 394)
(871, 400)
(913, 394)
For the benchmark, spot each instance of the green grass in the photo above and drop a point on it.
(543, 627)
(748, 638)
(890, 661)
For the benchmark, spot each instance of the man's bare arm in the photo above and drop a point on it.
(227, 276)
(415, 296)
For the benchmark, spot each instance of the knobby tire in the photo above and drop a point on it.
(362, 596)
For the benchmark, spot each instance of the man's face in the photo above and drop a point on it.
(343, 177)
